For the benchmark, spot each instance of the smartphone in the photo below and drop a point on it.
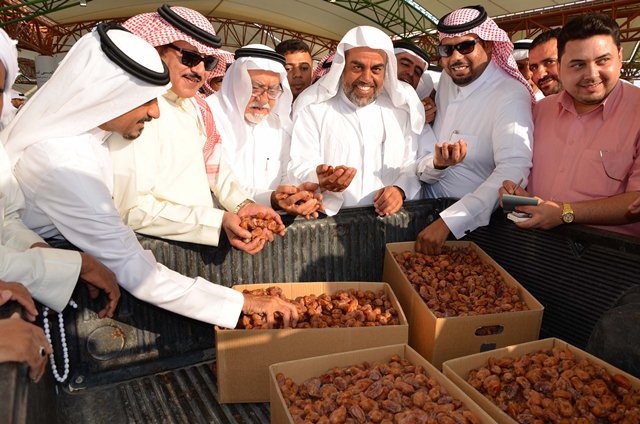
(510, 201)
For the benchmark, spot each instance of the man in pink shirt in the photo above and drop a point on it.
(586, 149)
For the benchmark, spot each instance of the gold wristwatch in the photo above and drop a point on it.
(567, 213)
(243, 203)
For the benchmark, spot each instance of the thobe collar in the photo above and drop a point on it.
(463, 92)
(172, 97)
(100, 134)
(607, 106)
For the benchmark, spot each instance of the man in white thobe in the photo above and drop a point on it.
(108, 82)
(161, 186)
(412, 65)
(50, 275)
(355, 130)
(483, 99)
(253, 111)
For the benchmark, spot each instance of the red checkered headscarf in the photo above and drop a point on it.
(158, 32)
(488, 31)
(217, 72)
(323, 66)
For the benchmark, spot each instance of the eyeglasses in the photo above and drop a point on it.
(272, 92)
(465, 47)
(192, 59)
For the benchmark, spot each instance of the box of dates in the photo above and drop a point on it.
(459, 302)
(389, 384)
(547, 381)
(333, 317)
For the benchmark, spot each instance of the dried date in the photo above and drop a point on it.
(458, 283)
(553, 386)
(345, 308)
(381, 401)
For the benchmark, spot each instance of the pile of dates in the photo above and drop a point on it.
(553, 386)
(346, 308)
(257, 226)
(458, 283)
(394, 392)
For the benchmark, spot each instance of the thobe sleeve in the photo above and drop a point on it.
(13, 233)
(307, 153)
(50, 275)
(228, 190)
(511, 140)
(81, 208)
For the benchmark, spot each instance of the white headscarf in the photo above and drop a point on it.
(424, 63)
(229, 103)
(86, 90)
(399, 92)
(9, 59)
(521, 49)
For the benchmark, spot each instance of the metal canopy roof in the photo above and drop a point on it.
(51, 26)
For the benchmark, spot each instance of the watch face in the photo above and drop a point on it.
(567, 218)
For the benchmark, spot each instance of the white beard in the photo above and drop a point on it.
(255, 118)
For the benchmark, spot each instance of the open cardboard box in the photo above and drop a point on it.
(458, 369)
(440, 339)
(243, 356)
(303, 369)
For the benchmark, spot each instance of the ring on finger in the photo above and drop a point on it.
(41, 351)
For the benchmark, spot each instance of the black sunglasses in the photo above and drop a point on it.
(465, 47)
(192, 59)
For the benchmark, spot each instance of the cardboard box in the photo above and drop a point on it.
(440, 339)
(243, 356)
(458, 369)
(303, 369)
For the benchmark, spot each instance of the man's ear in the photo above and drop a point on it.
(488, 47)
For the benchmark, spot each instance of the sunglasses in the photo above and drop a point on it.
(192, 59)
(465, 47)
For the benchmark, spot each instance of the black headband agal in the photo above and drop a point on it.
(454, 29)
(402, 44)
(522, 45)
(263, 54)
(118, 57)
(188, 28)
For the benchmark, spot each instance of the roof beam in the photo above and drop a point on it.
(50, 40)
(537, 21)
(397, 16)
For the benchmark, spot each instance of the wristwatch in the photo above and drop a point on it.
(243, 203)
(567, 213)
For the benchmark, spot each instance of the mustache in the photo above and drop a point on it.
(145, 119)
(459, 63)
(363, 84)
(195, 76)
(547, 78)
(260, 105)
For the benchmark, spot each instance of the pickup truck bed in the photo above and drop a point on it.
(151, 366)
